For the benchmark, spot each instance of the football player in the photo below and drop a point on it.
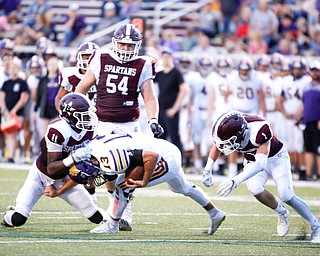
(217, 85)
(70, 77)
(161, 162)
(61, 147)
(120, 75)
(289, 102)
(245, 95)
(265, 156)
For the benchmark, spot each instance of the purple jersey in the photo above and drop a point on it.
(260, 132)
(60, 137)
(119, 84)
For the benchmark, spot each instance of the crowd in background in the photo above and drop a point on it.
(266, 36)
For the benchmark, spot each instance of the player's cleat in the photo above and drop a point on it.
(283, 223)
(315, 235)
(105, 227)
(216, 222)
(124, 225)
(4, 223)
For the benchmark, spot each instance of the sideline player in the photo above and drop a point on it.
(265, 156)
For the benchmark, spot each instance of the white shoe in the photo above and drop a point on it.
(216, 222)
(315, 235)
(105, 227)
(4, 223)
(283, 223)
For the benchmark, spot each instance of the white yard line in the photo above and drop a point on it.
(124, 241)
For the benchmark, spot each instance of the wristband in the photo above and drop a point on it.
(68, 161)
(153, 120)
(209, 164)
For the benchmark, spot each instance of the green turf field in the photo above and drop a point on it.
(164, 224)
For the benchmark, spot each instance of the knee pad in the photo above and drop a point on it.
(18, 219)
(254, 189)
(285, 194)
(184, 189)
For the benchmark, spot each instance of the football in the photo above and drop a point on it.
(135, 173)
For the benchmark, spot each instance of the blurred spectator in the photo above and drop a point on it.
(229, 10)
(129, 8)
(286, 47)
(315, 44)
(169, 40)
(115, 2)
(38, 7)
(75, 27)
(203, 47)
(6, 61)
(30, 34)
(243, 25)
(265, 21)
(189, 40)
(207, 20)
(256, 44)
(46, 93)
(10, 14)
(110, 18)
(303, 36)
(13, 97)
(287, 27)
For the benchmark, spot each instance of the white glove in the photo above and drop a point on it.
(207, 178)
(226, 187)
(81, 154)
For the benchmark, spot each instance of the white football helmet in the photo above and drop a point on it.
(126, 34)
(245, 67)
(85, 49)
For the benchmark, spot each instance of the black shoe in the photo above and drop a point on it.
(302, 175)
(124, 225)
(11, 161)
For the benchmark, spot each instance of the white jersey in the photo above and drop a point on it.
(70, 77)
(290, 90)
(198, 89)
(219, 85)
(245, 94)
(131, 141)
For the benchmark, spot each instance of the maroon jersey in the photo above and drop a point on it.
(260, 132)
(60, 137)
(119, 84)
(70, 77)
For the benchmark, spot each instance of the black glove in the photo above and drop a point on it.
(156, 128)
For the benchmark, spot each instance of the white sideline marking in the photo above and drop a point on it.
(157, 241)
